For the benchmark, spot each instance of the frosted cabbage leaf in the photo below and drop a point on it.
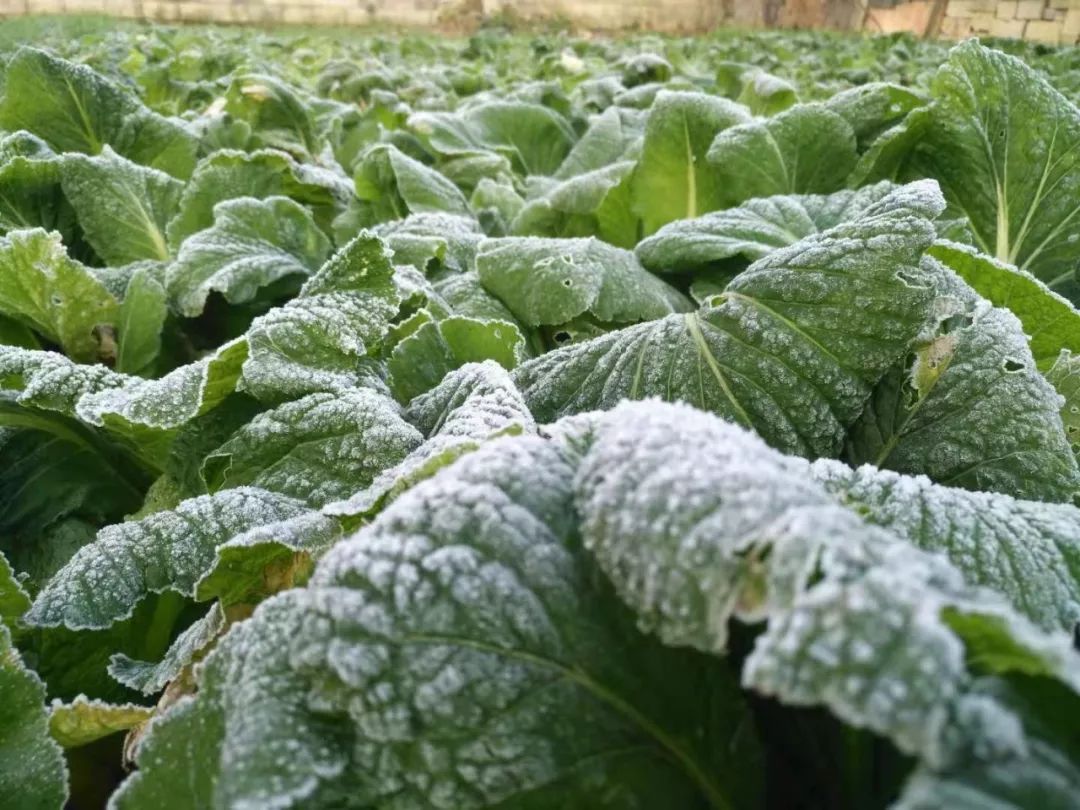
(252, 244)
(1005, 146)
(107, 578)
(552, 281)
(753, 229)
(318, 448)
(32, 769)
(673, 180)
(793, 347)
(316, 341)
(395, 644)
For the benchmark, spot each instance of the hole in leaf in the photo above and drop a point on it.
(909, 279)
(562, 337)
(568, 282)
(954, 322)
(1013, 366)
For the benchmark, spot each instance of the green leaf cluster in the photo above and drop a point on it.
(526, 422)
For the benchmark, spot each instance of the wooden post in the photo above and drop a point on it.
(937, 16)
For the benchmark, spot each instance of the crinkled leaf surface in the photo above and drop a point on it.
(1044, 778)
(971, 411)
(1026, 550)
(419, 303)
(753, 229)
(200, 436)
(228, 174)
(267, 559)
(122, 207)
(465, 295)
(32, 770)
(75, 109)
(148, 413)
(317, 341)
(805, 149)
(742, 549)
(418, 695)
(886, 636)
(928, 697)
(106, 579)
(1050, 321)
(318, 448)
(793, 347)
(41, 287)
(770, 542)
(433, 241)
(470, 406)
(1006, 148)
(423, 359)
(49, 381)
(478, 642)
(552, 281)
(251, 244)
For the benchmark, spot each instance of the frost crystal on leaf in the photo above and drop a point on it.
(527, 422)
(169, 550)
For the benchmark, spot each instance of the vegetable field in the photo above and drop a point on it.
(533, 422)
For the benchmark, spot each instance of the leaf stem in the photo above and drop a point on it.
(159, 633)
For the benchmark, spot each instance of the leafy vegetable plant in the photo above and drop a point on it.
(534, 423)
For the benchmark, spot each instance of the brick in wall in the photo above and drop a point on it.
(1008, 28)
(956, 27)
(1043, 31)
(1030, 9)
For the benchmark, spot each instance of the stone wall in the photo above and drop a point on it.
(1053, 21)
(667, 15)
(685, 16)
(269, 12)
